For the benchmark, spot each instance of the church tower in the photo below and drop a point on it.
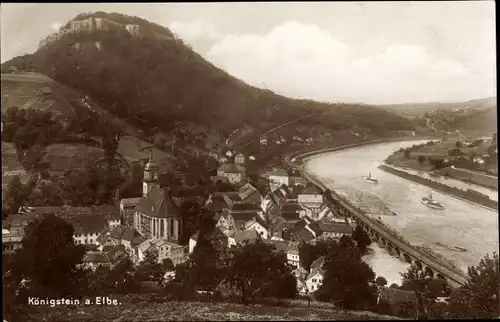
(151, 178)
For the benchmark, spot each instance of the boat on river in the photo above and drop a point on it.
(431, 203)
(370, 179)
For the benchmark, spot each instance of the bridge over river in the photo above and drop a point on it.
(397, 246)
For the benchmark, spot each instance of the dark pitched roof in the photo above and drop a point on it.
(85, 224)
(290, 216)
(316, 228)
(232, 168)
(279, 173)
(242, 235)
(302, 234)
(94, 257)
(158, 204)
(335, 228)
(279, 244)
(123, 233)
(318, 263)
(116, 253)
(278, 224)
(240, 207)
(311, 189)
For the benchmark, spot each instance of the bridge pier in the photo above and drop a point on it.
(407, 257)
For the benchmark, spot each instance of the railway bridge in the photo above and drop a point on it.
(395, 244)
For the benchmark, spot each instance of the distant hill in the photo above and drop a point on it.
(157, 83)
(476, 115)
(413, 110)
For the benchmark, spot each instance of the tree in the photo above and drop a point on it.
(458, 145)
(205, 267)
(381, 281)
(479, 297)
(362, 239)
(168, 265)
(346, 242)
(252, 267)
(394, 285)
(348, 280)
(124, 277)
(49, 256)
(150, 269)
(14, 195)
(426, 288)
(308, 253)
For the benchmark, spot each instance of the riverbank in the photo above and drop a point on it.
(468, 196)
(313, 151)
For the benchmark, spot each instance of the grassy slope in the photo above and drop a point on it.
(195, 311)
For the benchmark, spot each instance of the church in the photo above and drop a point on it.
(156, 215)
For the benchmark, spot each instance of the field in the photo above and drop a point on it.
(24, 90)
(11, 165)
(195, 311)
(134, 149)
(62, 157)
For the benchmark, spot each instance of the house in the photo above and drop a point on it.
(87, 228)
(289, 248)
(218, 239)
(327, 215)
(279, 177)
(240, 236)
(298, 180)
(478, 160)
(259, 226)
(121, 235)
(239, 158)
(314, 280)
(234, 172)
(251, 158)
(109, 257)
(156, 215)
(290, 212)
(238, 220)
(223, 221)
(335, 230)
(127, 209)
(133, 29)
(229, 153)
(249, 194)
(311, 196)
(278, 225)
(11, 240)
(246, 208)
(303, 231)
(263, 140)
(292, 254)
(165, 249)
(218, 202)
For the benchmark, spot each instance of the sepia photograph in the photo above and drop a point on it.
(249, 161)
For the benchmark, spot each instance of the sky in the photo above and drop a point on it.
(372, 52)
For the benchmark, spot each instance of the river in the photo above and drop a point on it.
(461, 224)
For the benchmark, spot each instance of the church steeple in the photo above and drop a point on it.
(151, 178)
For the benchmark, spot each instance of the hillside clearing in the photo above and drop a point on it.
(62, 157)
(134, 149)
